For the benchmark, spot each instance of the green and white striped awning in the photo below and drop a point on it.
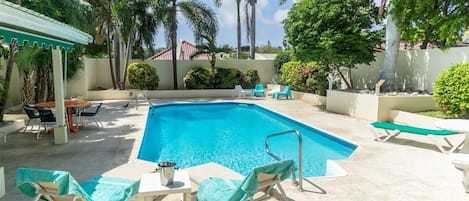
(33, 39)
(26, 25)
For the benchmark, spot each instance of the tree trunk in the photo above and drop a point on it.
(128, 55)
(238, 31)
(253, 29)
(212, 65)
(6, 86)
(117, 58)
(50, 85)
(388, 71)
(173, 36)
(41, 85)
(27, 89)
(337, 68)
(109, 53)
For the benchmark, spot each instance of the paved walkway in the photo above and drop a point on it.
(407, 168)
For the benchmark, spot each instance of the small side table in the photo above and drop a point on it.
(150, 185)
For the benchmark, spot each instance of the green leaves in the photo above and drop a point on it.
(332, 32)
(440, 23)
(451, 90)
(143, 76)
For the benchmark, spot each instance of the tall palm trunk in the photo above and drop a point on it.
(117, 58)
(109, 53)
(173, 36)
(253, 29)
(238, 30)
(28, 88)
(50, 85)
(6, 85)
(41, 84)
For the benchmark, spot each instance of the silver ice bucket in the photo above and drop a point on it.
(166, 172)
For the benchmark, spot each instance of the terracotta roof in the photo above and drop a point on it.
(184, 51)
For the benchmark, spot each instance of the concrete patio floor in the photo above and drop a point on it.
(406, 168)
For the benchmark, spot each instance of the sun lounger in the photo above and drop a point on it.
(60, 185)
(461, 161)
(260, 179)
(392, 130)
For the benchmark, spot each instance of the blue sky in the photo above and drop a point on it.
(268, 28)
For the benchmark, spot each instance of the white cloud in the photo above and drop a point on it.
(280, 15)
(227, 13)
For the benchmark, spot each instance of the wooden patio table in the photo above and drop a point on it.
(68, 104)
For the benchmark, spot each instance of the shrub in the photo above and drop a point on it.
(251, 78)
(227, 78)
(143, 76)
(306, 77)
(280, 59)
(291, 74)
(197, 78)
(451, 90)
(317, 78)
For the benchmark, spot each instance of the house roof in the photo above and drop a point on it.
(183, 51)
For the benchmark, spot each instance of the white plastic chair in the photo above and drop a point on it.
(275, 88)
(239, 91)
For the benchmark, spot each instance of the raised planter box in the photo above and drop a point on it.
(309, 97)
(372, 107)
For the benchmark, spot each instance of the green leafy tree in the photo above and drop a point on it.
(210, 48)
(200, 17)
(441, 23)
(336, 33)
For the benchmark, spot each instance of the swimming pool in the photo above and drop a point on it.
(233, 134)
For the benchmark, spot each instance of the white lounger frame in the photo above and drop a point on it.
(388, 134)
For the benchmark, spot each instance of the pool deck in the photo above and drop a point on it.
(407, 168)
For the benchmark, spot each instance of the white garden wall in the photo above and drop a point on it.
(416, 69)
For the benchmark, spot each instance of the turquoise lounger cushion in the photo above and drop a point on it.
(67, 185)
(110, 188)
(411, 129)
(235, 190)
(97, 189)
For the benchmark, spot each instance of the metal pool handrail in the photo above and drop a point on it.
(145, 97)
(300, 155)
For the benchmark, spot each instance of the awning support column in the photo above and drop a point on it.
(60, 131)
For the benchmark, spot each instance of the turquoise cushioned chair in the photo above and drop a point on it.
(286, 92)
(259, 89)
(260, 179)
(60, 185)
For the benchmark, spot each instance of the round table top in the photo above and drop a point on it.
(459, 125)
(68, 103)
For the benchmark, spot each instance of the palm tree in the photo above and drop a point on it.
(6, 84)
(200, 17)
(209, 47)
(238, 30)
(25, 60)
(251, 24)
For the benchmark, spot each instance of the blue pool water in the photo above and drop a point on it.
(233, 134)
